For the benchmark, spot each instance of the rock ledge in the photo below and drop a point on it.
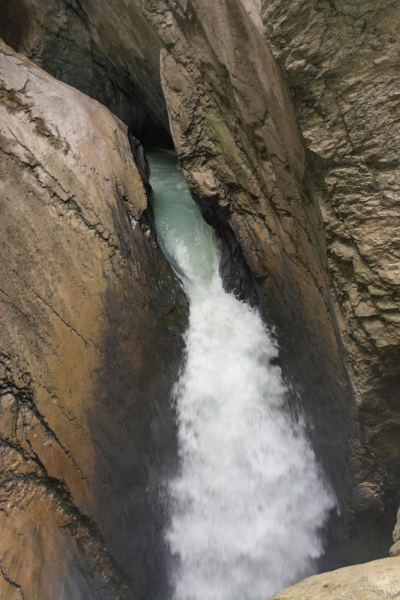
(370, 581)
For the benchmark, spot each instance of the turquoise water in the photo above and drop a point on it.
(249, 500)
(187, 241)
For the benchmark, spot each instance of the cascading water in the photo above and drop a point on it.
(249, 500)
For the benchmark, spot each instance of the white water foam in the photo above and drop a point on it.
(249, 500)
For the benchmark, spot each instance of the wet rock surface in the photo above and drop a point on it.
(90, 327)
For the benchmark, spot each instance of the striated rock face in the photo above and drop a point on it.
(341, 61)
(90, 325)
(372, 581)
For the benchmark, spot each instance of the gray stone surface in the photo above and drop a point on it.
(372, 581)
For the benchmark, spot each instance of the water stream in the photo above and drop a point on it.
(249, 501)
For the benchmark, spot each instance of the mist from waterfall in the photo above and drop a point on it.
(249, 501)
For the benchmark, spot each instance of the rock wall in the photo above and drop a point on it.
(90, 334)
(341, 62)
(55, 35)
(235, 129)
(285, 121)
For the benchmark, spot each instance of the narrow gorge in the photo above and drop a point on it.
(199, 286)
(248, 481)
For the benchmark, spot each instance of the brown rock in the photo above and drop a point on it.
(298, 164)
(395, 549)
(285, 119)
(90, 325)
(346, 100)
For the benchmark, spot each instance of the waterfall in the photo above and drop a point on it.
(248, 503)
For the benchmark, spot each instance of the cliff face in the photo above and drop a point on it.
(236, 132)
(372, 581)
(285, 119)
(341, 61)
(90, 325)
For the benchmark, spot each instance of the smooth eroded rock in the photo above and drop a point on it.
(371, 581)
(90, 331)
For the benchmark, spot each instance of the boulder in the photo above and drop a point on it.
(370, 581)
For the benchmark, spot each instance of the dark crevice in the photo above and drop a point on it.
(236, 275)
(78, 61)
